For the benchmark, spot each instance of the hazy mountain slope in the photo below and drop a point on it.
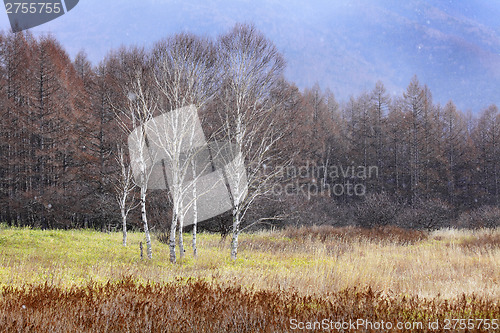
(453, 46)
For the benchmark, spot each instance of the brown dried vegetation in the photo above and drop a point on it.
(482, 242)
(387, 234)
(200, 306)
(57, 281)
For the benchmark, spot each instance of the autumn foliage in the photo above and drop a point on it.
(60, 135)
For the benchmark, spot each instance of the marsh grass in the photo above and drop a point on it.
(201, 306)
(315, 265)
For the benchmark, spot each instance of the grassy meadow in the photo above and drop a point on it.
(86, 281)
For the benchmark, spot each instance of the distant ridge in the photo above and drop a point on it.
(452, 46)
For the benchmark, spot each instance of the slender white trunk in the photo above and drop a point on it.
(145, 222)
(124, 224)
(236, 196)
(195, 249)
(236, 233)
(124, 187)
(181, 238)
(172, 238)
(195, 209)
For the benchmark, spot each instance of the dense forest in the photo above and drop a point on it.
(374, 159)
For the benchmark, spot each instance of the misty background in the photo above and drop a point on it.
(346, 46)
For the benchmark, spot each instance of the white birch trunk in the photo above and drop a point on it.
(123, 188)
(181, 238)
(124, 225)
(195, 206)
(145, 222)
(173, 228)
(195, 220)
(195, 249)
(236, 233)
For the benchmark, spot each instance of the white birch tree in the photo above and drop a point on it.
(185, 74)
(142, 160)
(124, 187)
(253, 69)
(140, 108)
(170, 137)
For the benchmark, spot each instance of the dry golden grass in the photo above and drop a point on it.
(312, 260)
(419, 274)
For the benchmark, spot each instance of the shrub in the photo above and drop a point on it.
(376, 210)
(481, 242)
(387, 234)
(426, 214)
(483, 217)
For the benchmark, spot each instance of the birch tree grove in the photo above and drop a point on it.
(252, 68)
(185, 74)
(176, 139)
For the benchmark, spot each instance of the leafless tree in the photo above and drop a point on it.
(185, 74)
(252, 68)
(138, 110)
(175, 137)
(124, 187)
(142, 111)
